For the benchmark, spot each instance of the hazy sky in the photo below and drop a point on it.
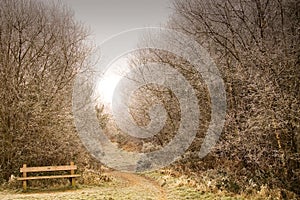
(109, 17)
(106, 18)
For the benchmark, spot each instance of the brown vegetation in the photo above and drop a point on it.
(41, 50)
(255, 44)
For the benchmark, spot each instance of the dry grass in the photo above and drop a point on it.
(164, 184)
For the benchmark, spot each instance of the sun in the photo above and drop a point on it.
(107, 86)
(110, 79)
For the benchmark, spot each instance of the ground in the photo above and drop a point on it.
(123, 186)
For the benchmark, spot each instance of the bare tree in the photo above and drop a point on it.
(42, 48)
(255, 44)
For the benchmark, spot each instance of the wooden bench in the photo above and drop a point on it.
(26, 170)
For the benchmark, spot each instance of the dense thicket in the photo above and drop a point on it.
(255, 44)
(42, 48)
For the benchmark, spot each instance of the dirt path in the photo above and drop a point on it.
(124, 186)
(143, 183)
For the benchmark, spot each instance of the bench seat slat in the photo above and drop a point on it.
(48, 168)
(48, 177)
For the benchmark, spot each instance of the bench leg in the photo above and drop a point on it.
(24, 175)
(24, 185)
(73, 182)
(72, 173)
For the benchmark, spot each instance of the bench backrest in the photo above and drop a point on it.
(26, 169)
(48, 168)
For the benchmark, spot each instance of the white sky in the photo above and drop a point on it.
(106, 18)
(109, 17)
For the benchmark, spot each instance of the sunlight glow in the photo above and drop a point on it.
(107, 86)
(111, 78)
